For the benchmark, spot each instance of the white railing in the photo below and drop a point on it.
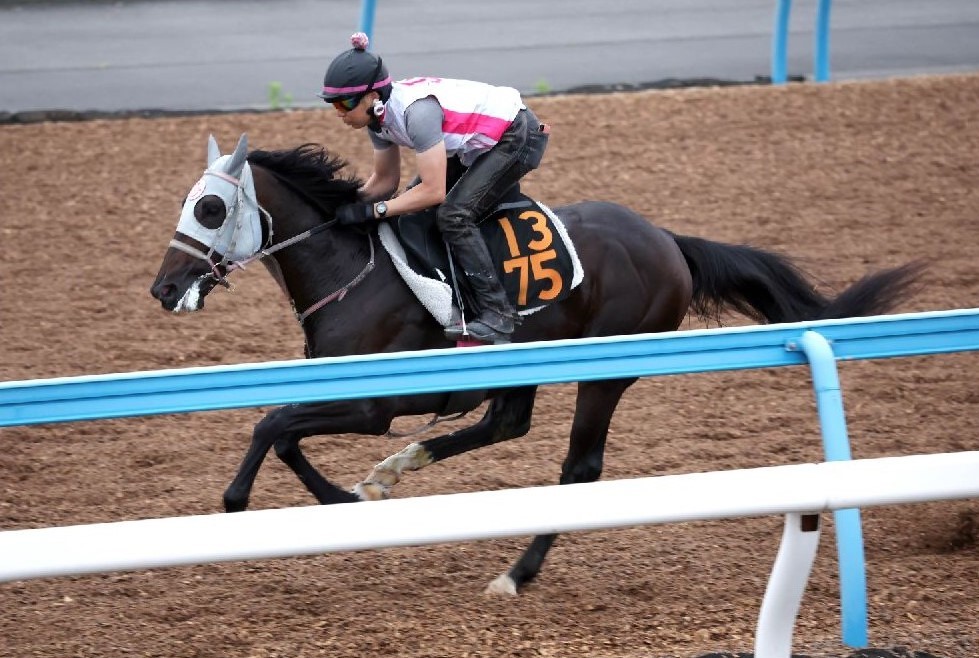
(799, 491)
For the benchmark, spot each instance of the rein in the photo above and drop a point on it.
(339, 294)
(342, 292)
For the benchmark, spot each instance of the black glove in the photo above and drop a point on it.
(353, 214)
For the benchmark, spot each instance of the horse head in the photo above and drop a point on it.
(220, 224)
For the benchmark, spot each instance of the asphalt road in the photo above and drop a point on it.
(251, 54)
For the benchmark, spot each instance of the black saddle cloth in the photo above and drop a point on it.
(530, 254)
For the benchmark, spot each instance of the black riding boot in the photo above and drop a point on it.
(494, 324)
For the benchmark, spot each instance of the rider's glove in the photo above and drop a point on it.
(353, 214)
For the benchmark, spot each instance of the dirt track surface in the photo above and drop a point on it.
(849, 178)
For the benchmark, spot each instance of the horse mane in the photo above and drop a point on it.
(312, 171)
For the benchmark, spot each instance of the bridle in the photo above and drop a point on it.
(228, 266)
(226, 263)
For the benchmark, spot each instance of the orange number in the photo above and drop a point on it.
(519, 264)
(533, 264)
(540, 226)
(511, 237)
(541, 272)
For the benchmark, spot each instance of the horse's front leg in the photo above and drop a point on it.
(285, 427)
(507, 417)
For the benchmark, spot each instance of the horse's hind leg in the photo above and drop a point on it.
(508, 417)
(595, 405)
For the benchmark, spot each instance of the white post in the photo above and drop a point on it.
(787, 584)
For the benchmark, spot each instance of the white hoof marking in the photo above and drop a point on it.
(370, 491)
(502, 585)
(388, 473)
(410, 458)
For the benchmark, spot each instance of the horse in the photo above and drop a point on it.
(278, 207)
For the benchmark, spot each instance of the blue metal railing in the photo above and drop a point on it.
(780, 37)
(343, 378)
(780, 40)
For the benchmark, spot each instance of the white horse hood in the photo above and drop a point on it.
(229, 178)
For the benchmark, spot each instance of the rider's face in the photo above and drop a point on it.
(358, 116)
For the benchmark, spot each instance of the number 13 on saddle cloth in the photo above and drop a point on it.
(530, 246)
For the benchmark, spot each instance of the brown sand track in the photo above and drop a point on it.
(848, 177)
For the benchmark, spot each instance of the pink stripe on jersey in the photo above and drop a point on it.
(462, 123)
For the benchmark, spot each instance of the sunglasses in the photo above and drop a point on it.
(346, 104)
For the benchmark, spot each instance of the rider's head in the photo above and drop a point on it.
(353, 74)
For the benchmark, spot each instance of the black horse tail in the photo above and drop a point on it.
(769, 287)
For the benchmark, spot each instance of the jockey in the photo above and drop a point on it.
(480, 138)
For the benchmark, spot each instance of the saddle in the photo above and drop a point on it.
(534, 257)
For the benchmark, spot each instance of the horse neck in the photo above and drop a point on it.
(316, 267)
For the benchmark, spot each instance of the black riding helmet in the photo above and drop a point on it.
(356, 72)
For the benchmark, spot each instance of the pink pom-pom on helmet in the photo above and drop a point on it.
(359, 40)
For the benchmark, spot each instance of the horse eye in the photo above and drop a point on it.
(210, 212)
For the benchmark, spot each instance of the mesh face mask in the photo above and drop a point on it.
(240, 235)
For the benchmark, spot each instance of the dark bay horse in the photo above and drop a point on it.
(638, 278)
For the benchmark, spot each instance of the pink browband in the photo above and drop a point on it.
(354, 90)
(220, 174)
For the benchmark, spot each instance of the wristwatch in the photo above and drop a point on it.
(380, 209)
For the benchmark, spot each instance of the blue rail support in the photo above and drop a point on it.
(780, 41)
(367, 18)
(836, 445)
(822, 40)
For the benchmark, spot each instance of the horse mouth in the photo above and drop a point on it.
(193, 298)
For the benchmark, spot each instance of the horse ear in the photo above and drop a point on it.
(238, 157)
(213, 152)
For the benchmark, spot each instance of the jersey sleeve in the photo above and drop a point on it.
(423, 121)
(379, 143)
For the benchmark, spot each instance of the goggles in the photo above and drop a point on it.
(346, 104)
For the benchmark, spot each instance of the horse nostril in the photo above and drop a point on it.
(163, 292)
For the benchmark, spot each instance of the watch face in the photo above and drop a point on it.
(382, 208)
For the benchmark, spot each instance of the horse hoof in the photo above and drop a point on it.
(234, 505)
(502, 585)
(370, 491)
(384, 477)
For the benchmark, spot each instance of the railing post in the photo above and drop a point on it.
(367, 18)
(836, 445)
(822, 41)
(786, 585)
(780, 41)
